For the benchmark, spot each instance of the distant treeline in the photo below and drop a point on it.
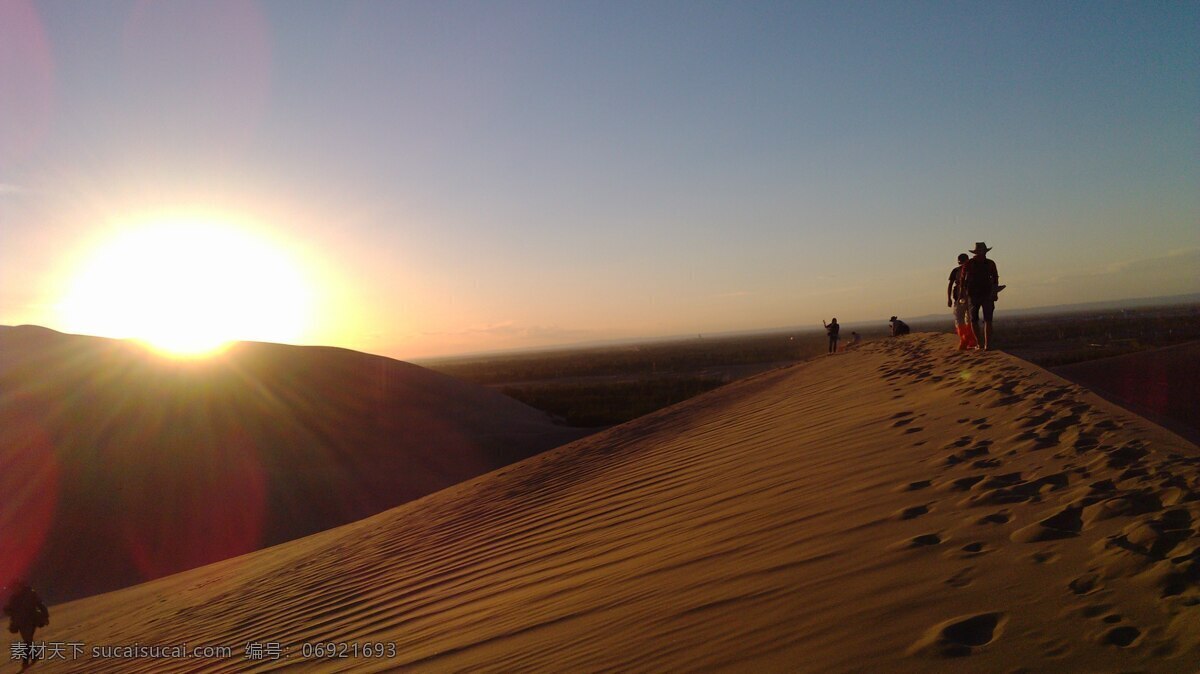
(1050, 341)
(609, 385)
(642, 360)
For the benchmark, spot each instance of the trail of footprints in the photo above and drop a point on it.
(1085, 481)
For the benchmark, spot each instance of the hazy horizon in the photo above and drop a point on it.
(424, 179)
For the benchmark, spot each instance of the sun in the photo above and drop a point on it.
(188, 287)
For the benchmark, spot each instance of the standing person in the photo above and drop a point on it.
(981, 282)
(832, 328)
(27, 613)
(957, 298)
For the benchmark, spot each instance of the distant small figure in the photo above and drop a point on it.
(981, 282)
(957, 297)
(899, 327)
(26, 613)
(855, 338)
(832, 328)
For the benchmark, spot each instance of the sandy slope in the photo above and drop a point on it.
(117, 466)
(1160, 384)
(901, 508)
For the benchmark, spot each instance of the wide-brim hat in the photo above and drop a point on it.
(980, 247)
(892, 319)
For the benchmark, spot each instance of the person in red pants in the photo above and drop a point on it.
(956, 297)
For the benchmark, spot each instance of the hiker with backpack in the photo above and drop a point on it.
(981, 282)
(26, 613)
(956, 297)
(899, 327)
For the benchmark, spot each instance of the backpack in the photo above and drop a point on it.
(978, 273)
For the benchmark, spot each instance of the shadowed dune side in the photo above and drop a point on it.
(118, 465)
(1161, 384)
(905, 507)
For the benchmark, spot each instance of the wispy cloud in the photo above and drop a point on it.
(1181, 260)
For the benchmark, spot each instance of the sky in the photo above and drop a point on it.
(429, 178)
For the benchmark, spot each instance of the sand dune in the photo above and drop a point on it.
(905, 507)
(117, 466)
(1162, 385)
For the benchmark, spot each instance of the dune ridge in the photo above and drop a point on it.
(903, 507)
(118, 466)
(1161, 384)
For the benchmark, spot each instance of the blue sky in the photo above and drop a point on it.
(466, 176)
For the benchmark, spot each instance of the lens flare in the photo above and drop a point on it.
(29, 480)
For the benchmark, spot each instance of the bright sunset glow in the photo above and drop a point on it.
(187, 288)
(525, 175)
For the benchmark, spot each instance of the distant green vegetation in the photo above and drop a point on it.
(600, 386)
(639, 360)
(600, 403)
(1051, 341)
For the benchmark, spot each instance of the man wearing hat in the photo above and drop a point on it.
(981, 282)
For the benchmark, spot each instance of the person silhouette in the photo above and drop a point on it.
(981, 282)
(832, 328)
(956, 297)
(26, 613)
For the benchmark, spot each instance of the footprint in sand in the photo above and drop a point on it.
(962, 578)
(975, 549)
(1066, 523)
(961, 636)
(1054, 648)
(913, 512)
(961, 442)
(1086, 584)
(962, 483)
(1035, 420)
(1129, 454)
(1007, 400)
(980, 449)
(925, 540)
(1092, 611)
(1001, 517)
(1125, 636)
